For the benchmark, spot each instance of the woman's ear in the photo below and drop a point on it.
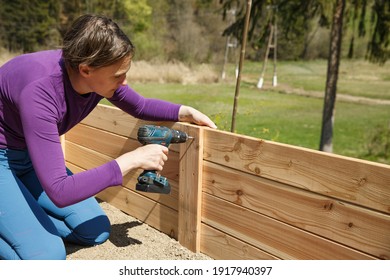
(84, 70)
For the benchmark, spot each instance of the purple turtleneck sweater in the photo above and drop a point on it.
(38, 104)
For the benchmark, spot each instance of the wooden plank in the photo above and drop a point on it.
(84, 157)
(74, 168)
(221, 246)
(270, 235)
(114, 145)
(116, 121)
(87, 159)
(357, 227)
(112, 119)
(316, 185)
(146, 210)
(62, 141)
(190, 181)
(105, 142)
(360, 182)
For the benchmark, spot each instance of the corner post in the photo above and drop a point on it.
(190, 188)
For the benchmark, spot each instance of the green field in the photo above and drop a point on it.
(360, 130)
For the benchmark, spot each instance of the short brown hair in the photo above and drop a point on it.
(96, 41)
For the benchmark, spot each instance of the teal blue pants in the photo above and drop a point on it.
(31, 226)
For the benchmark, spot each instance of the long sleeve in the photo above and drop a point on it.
(144, 108)
(39, 115)
(38, 104)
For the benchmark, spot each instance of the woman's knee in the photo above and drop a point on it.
(93, 232)
(101, 230)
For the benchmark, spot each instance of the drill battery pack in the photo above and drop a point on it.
(150, 181)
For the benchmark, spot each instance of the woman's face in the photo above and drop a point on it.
(106, 80)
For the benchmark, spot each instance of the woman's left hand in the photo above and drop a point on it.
(191, 115)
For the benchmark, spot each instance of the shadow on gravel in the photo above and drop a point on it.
(118, 237)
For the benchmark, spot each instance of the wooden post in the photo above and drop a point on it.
(272, 43)
(190, 189)
(275, 33)
(261, 80)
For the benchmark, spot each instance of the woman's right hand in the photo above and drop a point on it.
(148, 157)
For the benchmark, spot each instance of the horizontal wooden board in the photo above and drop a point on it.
(261, 199)
(112, 119)
(88, 159)
(74, 168)
(272, 236)
(356, 181)
(105, 142)
(110, 144)
(222, 246)
(114, 145)
(357, 227)
(116, 121)
(146, 210)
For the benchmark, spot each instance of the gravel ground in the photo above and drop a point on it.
(131, 239)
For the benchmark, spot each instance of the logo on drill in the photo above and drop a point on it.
(150, 180)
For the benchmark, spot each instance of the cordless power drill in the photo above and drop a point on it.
(150, 180)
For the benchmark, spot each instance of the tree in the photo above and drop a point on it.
(377, 52)
(378, 48)
(291, 18)
(29, 24)
(332, 77)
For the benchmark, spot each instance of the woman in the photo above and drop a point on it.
(42, 96)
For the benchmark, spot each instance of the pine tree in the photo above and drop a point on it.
(28, 25)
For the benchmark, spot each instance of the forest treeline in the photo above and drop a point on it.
(186, 30)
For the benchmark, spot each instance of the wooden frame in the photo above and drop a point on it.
(238, 197)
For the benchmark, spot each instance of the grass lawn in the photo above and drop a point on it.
(294, 119)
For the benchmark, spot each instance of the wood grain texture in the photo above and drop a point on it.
(107, 143)
(116, 121)
(345, 223)
(146, 210)
(114, 145)
(191, 160)
(270, 235)
(238, 197)
(219, 245)
(356, 181)
(87, 159)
